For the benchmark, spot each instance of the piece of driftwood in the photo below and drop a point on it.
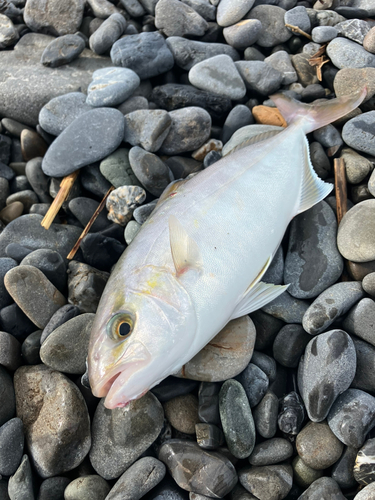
(340, 188)
(65, 187)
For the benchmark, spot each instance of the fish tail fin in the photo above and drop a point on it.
(313, 116)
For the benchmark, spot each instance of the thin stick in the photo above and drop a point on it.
(340, 188)
(89, 224)
(296, 29)
(65, 187)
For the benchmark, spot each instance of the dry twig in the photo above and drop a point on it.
(65, 187)
(318, 60)
(298, 30)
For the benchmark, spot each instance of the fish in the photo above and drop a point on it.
(198, 261)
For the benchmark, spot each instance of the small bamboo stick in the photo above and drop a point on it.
(296, 29)
(89, 224)
(340, 188)
(65, 187)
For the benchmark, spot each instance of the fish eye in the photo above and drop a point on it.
(120, 326)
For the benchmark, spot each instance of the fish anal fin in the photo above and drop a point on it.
(185, 251)
(256, 297)
(313, 188)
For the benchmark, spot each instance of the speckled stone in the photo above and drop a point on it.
(255, 383)
(326, 370)
(324, 487)
(265, 415)
(357, 167)
(182, 413)
(271, 452)
(111, 86)
(10, 352)
(87, 487)
(292, 414)
(360, 320)
(150, 170)
(55, 17)
(53, 488)
(364, 467)
(271, 482)
(347, 54)
(354, 29)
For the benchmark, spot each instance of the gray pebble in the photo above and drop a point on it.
(303, 475)
(271, 452)
(365, 374)
(175, 18)
(323, 34)
(83, 208)
(102, 8)
(324, 487)
(8, 402)
(38, 180)
(260, 76)
(272, 19)
(62, 315)
(147, 128)
(328, 136)
(287, 308)
(131, 230)
(290, 344)
(107, 33)
(359, 133)
(242, 35)
(271, 482)
(357, 167)
(267, 327)
(10, 352)
(30, 348)
(111, 86)
(53, 488)
(181, 167)
(238, 117)
(26, 197)
(298, 17)
(11, 446)
(134, 103)
(50, 263)
(367, 493)
(326, 371)
(368, 284)
(371, 184)
(62, 50)
(142, 213)
(208, 402)
(265, 415)
(360, 320)
(255, 382)
(209, 436)
(87, 488)
(5, 265)
(20, 486)
(85, 286)
(281, 61)
(265, 363)
(342, 470)
(117, 170)
(347, 54)
(204, 9)
(231, 11)
(133, 7)
(355, 236)
(93, 181)
(292, 414)
(182, 413)
(8, 34)
(354, 29)
(150, 170)
(253, 54)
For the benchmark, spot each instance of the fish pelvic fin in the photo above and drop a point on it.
(313, 189)
(185, 251)
(313, 116)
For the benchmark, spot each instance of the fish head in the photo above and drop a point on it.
(141, 334)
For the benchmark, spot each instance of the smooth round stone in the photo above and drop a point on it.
(93, 181)
(365, 374)
(138, 480)
(305, 72)
(255, 382)
(356, 234)
(182, 413)
(253, 54)
(271, 452)
(111, 86)
(55, 17)
(100, 251)
(87, 488)
(8, 33)
(328, 136)
(65, 313)
(177, 19)
(364, 467)
(267, 327)
(85, 286)
(238, 117)
(117, 170)
(323, 34)
(318, 447)
(108, 32)
(292, 414)
(219, 75)
(11, 446)
(122, 201)
(360, 320)
(351, 80)
(287, 308)
(52, 409)
(147, 54)
(15, 322)
(358, 132)
(147, 128)
(62, 50)
(208, 402)
(272, 19)
(281, 62)
(89, 138)
(66, 348)
(204, 9)
(6, 172)
(142, 213)
(134, 103)
(27, 198)
(10, 352)
(225, 356)
(19, 183)
(265, 363)
(8, 406)
(231, 11)
(38, 298)
(191, 127)
(369, 41)
(236, 419)
(120, 436)
(194, 469)
(209, 436)
(32, 145)
(265, 415)
(324, 487)
(303, 475)
(131, 230)
(290, 344)
(150, 170)
(366, 493)
(347, 54)
(312, 262)
(5, 265)
(53, 488)
(242, 35)
(271, 482)
(259, 76)
(342, 470)
(84, 208)
(181, 167)
(354, 29)
(368, 284)
(61, 111)
(102, 8)
(170, 388)
(30, 348)
(331, 304)
(50, 263)
(357, 167)
(298, 17)
(326, 371)
(20, 485)
(371, 184)
(39, 182)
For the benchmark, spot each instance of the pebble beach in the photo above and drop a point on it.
(108, 102)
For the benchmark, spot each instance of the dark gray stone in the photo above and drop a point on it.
(5, 265)
(259, 76)
(209, 436)
(255, 382)
(8, 401)
(108, 32)
(150, 170)
(342, 470)
(267, 327)
(62, 50)
(83, 208)
(208, 402)
(93, 181)
(320, 160)
(10, 351)
(101, 251)
(290, 344)
(271, 452)
(172, 387)
(85, 286)
(14, 321)
(117, 170)
(265, 415)
(272, 19)
(240, 116)
(30, 348)
(26, 197)
(111, 87)
(365, 374)
(11, 446)
(147, 128)
(360, 320)
(50, 263)
(324, 487)
(65, 313)
(20, 485)
(265, 363)
(53, 488)
(328, 136)
(271, 482)
(38, 180)
(55, 17)
(287, 308)
(175, 18)
(358, 133)
(142, 213)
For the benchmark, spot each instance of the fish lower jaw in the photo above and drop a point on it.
(101, 390)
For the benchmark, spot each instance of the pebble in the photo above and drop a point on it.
(355, 237)
(326, 370)
(11, 446)
(83, 208)
(38, 181)
(342, 470)
(93, 181)
(117, 170)
(266, 364)
(172, 387)
(271, 482)
(323, 34)
(146, 53)
(268, 116)
(187, 53)
(290, 344)
(371, 183)
(88, 487)
(292, 414)
(61, 111)
(364, 467)
(271, 451)
(360, 320)
(111, 86)
(208, 403)
(101, 252)
(219, 75)
(5, 265)
(181, 167)
(236, 419)
(194, 469)
(267, 327)
(122, 201)
(133, 104)
(31, 347)
(237, 118)
(225, 356)
(272, 19)
(26, 197)
(287, 308)
(209, 436)
(50, 263)
(281, 61)
(17, 252)
(354, 29)
(142, 213)
(102, 8)
(53, 488)
(66, 348)
(331, 304)
(305, 72)
(6, 172)
(243, 34)
(368, 284)
(204, 9)
(297, 16)
(85, 286)
(103, 130)
(175, 18)
(131, 230)
(182, 413)
(8, 406)
(55, 17)
(62, 50)
(52, 410)
(255, 382)
(24, 282)
(10, 352)
(259, 75)
(8, 34)
(329, 137)
(357, 167)
(138, 480)
(350, 80)
(15, 322)
(369, 41)
(147, 128)
(364, 378)
(230, 12)
(20, 485)
(265, 415)
(303, 475)
(347, 54)
(105, 36)
(358, 132)
(65, 313)
(324, 487)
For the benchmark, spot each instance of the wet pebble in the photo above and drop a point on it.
(147, 128)
(62, 50)
(271, 452)
(108, 32)
(182, 413)
(11, 446)
(360, 320)
(88, 487)
(271, 482)
(85, 286)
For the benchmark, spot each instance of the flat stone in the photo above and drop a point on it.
(85, 286)
(50, 263)
(111, 86)
(88, 487)
(55, 17)
(326, 371)
(120, 436)
(323, 34)
(259, 75)
(271, 482)
(324, 487)
(8, 33)
(272, 19)
(359, 134)
(331, 304)
(281, 61)
(182, 413)
(225, 356)
(175, 18)
(133, 104)
(347, 54)
(243, 34)
(271, 452)
(231, 11)
(117, 170)
(354, 29)
(26, 197)
(147, 128)
(287, 308)
(265, 415)
(255, 382)
(303, 475)
(20, 485)
(52, 410)
(290, 344)
(102, 130)
(108, 32)
(297, 16)
(351, 80)
(194, 469)
(360, 320)
(62, 50)
(146, 53)
(64, 314)
(11, 446)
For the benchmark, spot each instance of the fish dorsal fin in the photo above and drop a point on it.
(185, 251)
(254, 139)
(313, 188)
(256, 297)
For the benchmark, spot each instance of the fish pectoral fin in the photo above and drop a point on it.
(313, 188)
(185, 251)
(256, 297)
